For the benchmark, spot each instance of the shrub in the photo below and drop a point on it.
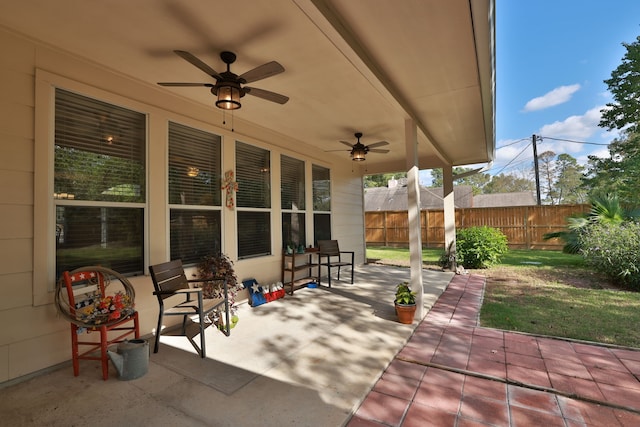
(480, 247)
(614, 249)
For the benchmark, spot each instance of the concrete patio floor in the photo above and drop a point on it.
(304, 360)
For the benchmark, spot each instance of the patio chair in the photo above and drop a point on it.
(330, 256)
(169, 281)
(85, 292)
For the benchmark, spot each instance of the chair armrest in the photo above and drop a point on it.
(178, 291)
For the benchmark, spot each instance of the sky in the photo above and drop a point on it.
(552, 57)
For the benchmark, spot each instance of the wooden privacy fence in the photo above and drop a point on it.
(524, 226)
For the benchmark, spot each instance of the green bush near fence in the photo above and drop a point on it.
(614, 249)
(480, 247)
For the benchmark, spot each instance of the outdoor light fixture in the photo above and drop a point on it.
(228, 96)
(358, 154)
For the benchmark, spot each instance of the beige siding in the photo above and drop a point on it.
(32, 334)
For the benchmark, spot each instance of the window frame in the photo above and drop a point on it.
(216, 206)
(315, 211)
(267, 209)
(44, 236)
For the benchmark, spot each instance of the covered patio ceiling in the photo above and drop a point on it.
(356, 65)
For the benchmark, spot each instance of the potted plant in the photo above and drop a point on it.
(216, 268)
(405, 302)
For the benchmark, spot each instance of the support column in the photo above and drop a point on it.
(413, 208)
(449, 211)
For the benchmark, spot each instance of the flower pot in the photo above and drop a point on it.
(405, 313)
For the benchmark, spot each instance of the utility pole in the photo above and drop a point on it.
(534, 140)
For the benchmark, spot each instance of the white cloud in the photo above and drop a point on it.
(557, 96)
(574, 127)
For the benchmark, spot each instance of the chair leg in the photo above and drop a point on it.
(329, 275)
(74, 350)
(203, 347)
(136, 324)
(184, 324)
(103, 353)
(338, 272)
(158, 329)
(352, 274)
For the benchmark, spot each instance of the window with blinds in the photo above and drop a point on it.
(253, 175)
(194, 193)
(321, 188)
(291, 183)
(292, 193)
(99, 184)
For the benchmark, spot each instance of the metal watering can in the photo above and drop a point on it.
(131, 359)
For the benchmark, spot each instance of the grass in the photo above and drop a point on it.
(547, 293)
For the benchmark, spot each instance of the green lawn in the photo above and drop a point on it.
(547, 293)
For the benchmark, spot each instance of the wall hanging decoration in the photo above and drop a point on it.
(230, 186)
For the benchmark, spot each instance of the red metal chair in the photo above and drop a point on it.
(85, 289)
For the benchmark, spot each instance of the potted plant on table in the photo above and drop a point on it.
(405, 302)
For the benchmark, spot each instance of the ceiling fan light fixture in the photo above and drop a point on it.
(358, 154)
(228, 96)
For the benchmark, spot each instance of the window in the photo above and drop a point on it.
(194, 193)
(253, 175)
(321, 203)
(292, 191)
(99, 184)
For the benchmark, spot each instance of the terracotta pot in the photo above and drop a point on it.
(405, 313)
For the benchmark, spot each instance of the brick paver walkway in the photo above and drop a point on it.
(452, 372)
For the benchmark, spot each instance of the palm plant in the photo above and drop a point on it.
(605, 209)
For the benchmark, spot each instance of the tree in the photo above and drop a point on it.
(621, 172)
(381, 180)
(477, 180)
(508, 184)
(546, 167)
(567, 187)
(624, 85)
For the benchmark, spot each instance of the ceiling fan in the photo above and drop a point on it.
(229, 86)
(359, 151)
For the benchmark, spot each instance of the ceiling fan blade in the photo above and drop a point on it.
(170, 84)
(262, 72)
(377, 150)
(378, 144)
(347, 143)
(198, 63)
(265, 94)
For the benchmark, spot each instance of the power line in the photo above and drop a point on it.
(576, 142)
(513, 143)
(523, 150)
